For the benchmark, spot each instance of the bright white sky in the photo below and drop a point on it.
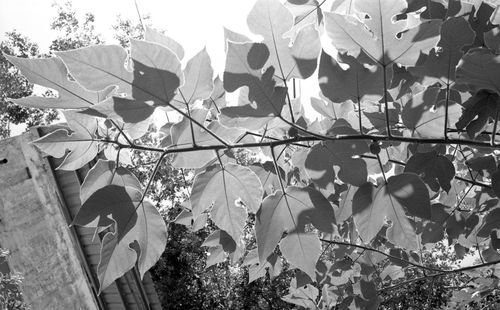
(194, 23)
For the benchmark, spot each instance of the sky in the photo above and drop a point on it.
(193, 23)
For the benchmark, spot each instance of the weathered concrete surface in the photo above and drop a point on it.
(35, 231)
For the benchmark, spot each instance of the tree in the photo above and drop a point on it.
(403, 159)
(72, 32)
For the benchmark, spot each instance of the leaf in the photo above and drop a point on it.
(436, 170)
(491, 221)
(232, 36)
(322, 158)
(186, 218)
(367, 296)
(440, 65)
(143, 245)
(52, 73)
(271, 19)
(181, 136)
(305, 12)
(244, 62)
(273, 266)
(302, 250)
(425, 116)
(215, 255)
(344, 211)
(268, 176)
(154, 36)
(479, 110)
(220, 238)
(224, 187)
(220, 243)
(403, 193)
(484, 165)
(217, 99)
(290, 212)
(156, 71)
(357, 83)
(98, 67)
(479, 69)
(122, 109)
(80, 142)
(198, 79)
(304, 296)
(111, 205)
(392, 272)
(379, 36)
(104, 173)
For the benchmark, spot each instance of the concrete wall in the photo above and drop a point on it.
(36, 232)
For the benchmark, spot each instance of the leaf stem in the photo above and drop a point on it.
(446, 111)
(381, 168)
(386, 103)
(150, 181)
(276, 167)
(359, 116)
(494, 133)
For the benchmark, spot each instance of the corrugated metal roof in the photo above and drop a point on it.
(127, 292)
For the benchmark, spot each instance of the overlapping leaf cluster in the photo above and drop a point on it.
(399, 153)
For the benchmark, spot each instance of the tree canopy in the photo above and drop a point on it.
(401, 162)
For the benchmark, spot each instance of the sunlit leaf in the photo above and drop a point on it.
(272, 20)
(290, 212)
(304, 296)
(302, 250)
(403, 194)
(379, 35)
(244, 64)
(104, 173)
(142, 245)
(79, 142)
(99, 66)
(273, 266)
(425, 116)
(52, 73)
(227, 188)
(152, 35)
(182, 137)
(198, 79)
(480, 69)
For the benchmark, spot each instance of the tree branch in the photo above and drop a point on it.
(442, 273)
(381, 252)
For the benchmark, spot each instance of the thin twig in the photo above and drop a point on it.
(121, 132)
(443, 273)
(383, 253)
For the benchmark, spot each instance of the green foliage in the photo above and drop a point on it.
(403, 159)
(73, 33)
(11, 297)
